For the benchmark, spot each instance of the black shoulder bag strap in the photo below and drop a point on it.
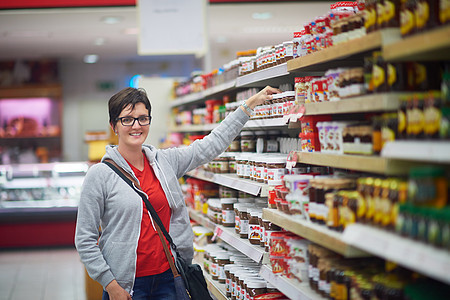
(159, 225)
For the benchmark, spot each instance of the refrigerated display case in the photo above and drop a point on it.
(38, 203)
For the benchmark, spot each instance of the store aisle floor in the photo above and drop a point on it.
(42, 274)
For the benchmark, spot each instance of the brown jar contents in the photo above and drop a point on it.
(256, 287)
(254, 232)
(222, 260)
(243, 228)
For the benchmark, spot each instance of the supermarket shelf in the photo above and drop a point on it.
(194, 128)
(251, 124)
(232, 181)
(201, 219)
(194, 97)
(316, 233)
(430, 45)
(258, 78)
(229, 236)
(427, 151)
(414, 255)
(215, 288)
(366, 103)
(366, 43)
(371, 164)
(265, 123)
(291, 288)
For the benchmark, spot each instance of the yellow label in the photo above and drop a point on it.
(378, 76)
(422, 14)
(432, 120)
(380, 14)
(401, 122)
(392, 74)
(406, 21)
(389, 11)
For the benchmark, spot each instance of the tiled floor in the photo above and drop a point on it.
(43, 274)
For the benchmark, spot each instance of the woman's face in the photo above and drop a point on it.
(132, 136)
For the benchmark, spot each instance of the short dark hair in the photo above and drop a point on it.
(125, 97)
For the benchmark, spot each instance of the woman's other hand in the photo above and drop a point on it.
(116, 292)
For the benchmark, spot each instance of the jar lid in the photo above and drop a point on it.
(228, 200)
(222, 255)
(246, 133)
(256, 284)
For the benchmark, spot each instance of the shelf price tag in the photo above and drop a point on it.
(217, 233)
(291, 160)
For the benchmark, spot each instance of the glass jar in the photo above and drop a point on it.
(228, 215)
(248, 143)
(223, 259)
(254, 230)
(276, 168)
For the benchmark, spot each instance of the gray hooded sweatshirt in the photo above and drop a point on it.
(108, 202)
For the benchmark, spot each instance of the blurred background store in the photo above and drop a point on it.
(364, 117)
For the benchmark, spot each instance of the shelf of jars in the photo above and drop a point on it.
(217, 289)
(316, 233)
(319, 60)
(274, 76)
(366, 103)
(290, 287)
(229, 236)
(370, 164)
(232, 181)
(425, 259)
(194, 97)
(424, 151)
(430, 45)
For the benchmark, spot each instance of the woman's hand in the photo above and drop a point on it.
(116, 292)
(264, 95)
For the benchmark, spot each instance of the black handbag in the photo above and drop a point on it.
(189, 280)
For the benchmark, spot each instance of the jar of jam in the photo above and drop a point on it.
(223, 259)
(248, 143)
(228, 216)
(276, 169)
(243, 222)
(256, 287)
(235, 145)
(254, 231)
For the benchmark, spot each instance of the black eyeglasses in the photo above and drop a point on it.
(129, 121)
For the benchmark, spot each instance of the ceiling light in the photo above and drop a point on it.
(262, 16)
(111, 20)
(90, 58)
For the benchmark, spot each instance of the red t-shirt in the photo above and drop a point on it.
(151, 259)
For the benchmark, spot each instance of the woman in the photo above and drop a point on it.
(128, 259)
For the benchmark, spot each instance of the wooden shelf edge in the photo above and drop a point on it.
(365, 103)
(371, 41)
(410, 47)
(313, 232)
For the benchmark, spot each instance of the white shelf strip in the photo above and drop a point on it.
(229, 236)
(232, 181)
(291, 288)
(437, 151)
(276, 71)
(261, 123)
(425, 259)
